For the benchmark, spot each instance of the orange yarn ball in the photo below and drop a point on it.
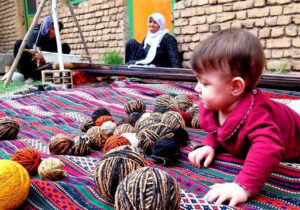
(28, 157)
(102, 119)
(114, 142)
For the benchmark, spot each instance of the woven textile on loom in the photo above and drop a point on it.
(41, 115)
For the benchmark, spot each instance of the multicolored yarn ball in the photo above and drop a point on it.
(108, 127)
(114, 167)
(87, 124)
(124, 128)
(100, 112)
(183, 102)
(173, 120)
(131, 138)
(166, 101)
(128, 120)
(96, 137)
(156, 115)
(193, 110)
(60, 144)
(9, 128)
(28, 157)
(187, 117)
(52, 169)
(135, 105)
(102, 119)
(141, 124)
(195, 122)
(148, 135)
(80, 146)
(148, 188)
(15, 184)
(114, 142)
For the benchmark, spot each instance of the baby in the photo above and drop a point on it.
(238, 117)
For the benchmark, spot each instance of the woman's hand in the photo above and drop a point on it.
(38, 57)
(231, 192)
(205, 153)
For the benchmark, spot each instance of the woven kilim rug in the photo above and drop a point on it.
(41, 115)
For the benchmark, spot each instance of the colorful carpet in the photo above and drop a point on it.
(44, 114)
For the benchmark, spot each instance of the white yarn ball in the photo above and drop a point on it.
(108, 127)
(131, 138)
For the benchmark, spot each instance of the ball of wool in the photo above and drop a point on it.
(183, 102)
(28, 157)
(160, 109)
(132, 138)
(9, 128)
(166, 101)
(108, 127)
(100, 112)
(87, 124)
(114, 166)
(148, 135)
(127, 120)
(146, 122)
(148, 188)
(187, 117)
(15, 184)
(124, 128)
(135, 115)
(156, 115)
(102, 119)
(60, 144)
(195, 122)
(96, 137)
(80, 146)
(114, 142)
(52, 169)
(173, 119)
(135, 105)
(145, 115)
(193, 110)
(180, 135)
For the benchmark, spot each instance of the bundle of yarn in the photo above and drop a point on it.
(9, 128)
(183, 102)
(52, 169)
(173, 119)
(148, 188)
(80, 146)
(86, 124)
(100, 112)
(108, 127)
(100, 120)
(60, 144)
(124, 128)
(114, 142)
(163, 102)
(96, 138)
(135, 105)
(28, 157)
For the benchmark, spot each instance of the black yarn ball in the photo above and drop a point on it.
(100, 112)
(180, 135)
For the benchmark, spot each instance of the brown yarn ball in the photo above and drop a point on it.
(9, 128)
(156, 115)
(96, 137)
(87, 124)
(135, 105)
(183, 102)
(149, 134)
(165, 101)
(148, 188)
(80, 146)
(114, 142)
(102, 119)
(60, 144)
(193, 110)
(140, 124)
(52, 169)
(173, 120)
(28, 157)
(124, 128)
(114, 167)
(195, 122)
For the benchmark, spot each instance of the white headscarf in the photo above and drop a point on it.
(154, 39)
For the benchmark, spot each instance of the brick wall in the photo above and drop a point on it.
(275, 22)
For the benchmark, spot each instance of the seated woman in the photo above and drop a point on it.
(159, 48)
(44, 38)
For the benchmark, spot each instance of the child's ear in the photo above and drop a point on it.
(238, 86)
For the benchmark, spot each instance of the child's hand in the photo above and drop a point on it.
(205, 153)
(231, 192)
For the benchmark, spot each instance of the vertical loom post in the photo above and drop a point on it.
(24, 42)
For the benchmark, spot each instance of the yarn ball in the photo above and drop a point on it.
(145, 115)
(183, 102)
(114, 167)
(60, 144)
(124, 128)
(80, 146)
(9, 128)
(164, 100)
(102, 119)
(148, 135)
(96, 137)
(193, 110)
(195, 122)
(15, 184)
(108, 127)
(135, 105)
(140, 124)
(180, 135)
(156, 115)
(100, 112)
(28, 157)
(87, 124)
(187, 117)
(173, 119)
(128, 120)
(52, 169)
(148, 188)
(160, 109)
(132, 138)
(114, 142)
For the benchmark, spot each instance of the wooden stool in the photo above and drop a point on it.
(61, 78)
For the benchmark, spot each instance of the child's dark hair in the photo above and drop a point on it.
(235, 52)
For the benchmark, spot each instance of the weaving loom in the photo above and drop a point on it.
(41, 115)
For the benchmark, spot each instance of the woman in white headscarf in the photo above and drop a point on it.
(159, 48)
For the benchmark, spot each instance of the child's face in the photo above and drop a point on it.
(214, 90)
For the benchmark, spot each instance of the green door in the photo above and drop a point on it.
(29, 8)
